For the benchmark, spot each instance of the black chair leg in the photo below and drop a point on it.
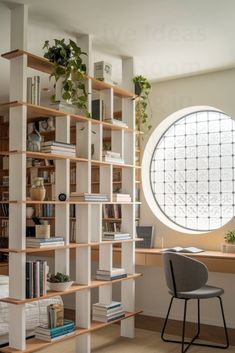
(182, 342)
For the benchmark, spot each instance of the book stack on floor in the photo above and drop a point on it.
(121, 197)
(112, 157)
(86, 197)
(115, 236)
(107, 312)
(49, 334)
(116, 122)
(62, 148)
(36, 279)
(115, 273)
(44, 242)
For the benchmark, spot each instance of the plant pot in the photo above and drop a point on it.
(228, 247)
(59, 287)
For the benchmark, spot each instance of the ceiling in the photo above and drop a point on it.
(168, 38)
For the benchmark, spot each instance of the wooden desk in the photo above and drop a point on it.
(216, 261)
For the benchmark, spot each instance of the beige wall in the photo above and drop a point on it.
(216, 90)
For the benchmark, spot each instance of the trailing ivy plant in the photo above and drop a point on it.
(68, 64)
(230, 236)
(142, 90)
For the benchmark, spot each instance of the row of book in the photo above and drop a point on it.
(112, 211)
(33, 90)
(47, 210)
(36, 279)
(5, 228)
(87, 197)
(62, 148)
(112, 157)
(5, 209)
(115, 273)
(72, 235)
(32, 242)
(107, 312)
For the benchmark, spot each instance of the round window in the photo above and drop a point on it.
(190, 164)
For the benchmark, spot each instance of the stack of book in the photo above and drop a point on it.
(112, 157)
(44, 242)
(107, 312)
(115, 236)
(33, 90)
(62, 148)
(36, 278)
(47, 210)
(53, 334)
(86, 197)
(115, 273)
(121, 197)
(116, 122)
(55, 315)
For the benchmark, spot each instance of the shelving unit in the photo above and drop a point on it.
(88, 215)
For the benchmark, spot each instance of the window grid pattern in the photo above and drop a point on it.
(192, 171)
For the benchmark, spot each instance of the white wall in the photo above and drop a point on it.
(216, 90)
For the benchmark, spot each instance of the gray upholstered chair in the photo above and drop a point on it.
(186, 279)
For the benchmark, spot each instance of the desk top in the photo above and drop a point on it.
(204, 254)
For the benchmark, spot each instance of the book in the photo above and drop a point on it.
(44, 245)
(58, 144)
(109, 277)
(49, 339)
(111, 159)
(55, 313)
(97, 109)
(115, 271)
(116, 122)
(46, 330)
(115, 236)
(105, 319)
(188, 250)
(45, 240)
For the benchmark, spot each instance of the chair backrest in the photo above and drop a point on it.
(183, 274)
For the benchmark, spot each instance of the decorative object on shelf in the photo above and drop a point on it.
(37, 191)
(59, 282)
(103, 71)
(34, 141)
(29, 212)
(229, 245)
(69, 70)
(43, 230)
(142, 90)
(62, 197)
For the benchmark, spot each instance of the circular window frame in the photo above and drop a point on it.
(149, 150)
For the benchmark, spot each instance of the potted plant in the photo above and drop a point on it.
(142, 90)
(229, 245)
(59, 282)
(70, 70)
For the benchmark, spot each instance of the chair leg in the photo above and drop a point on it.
(165, 322)
(182, 342)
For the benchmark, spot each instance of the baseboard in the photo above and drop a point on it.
(152, 323)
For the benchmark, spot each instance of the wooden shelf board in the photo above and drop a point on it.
(69, 246)
(73, 289)
(42, 64)
(49, 202)
(33, 344)
(41, 155)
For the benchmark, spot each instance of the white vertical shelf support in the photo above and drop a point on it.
(84, 212)
(128, 186)
(62, 185)
(17, 176)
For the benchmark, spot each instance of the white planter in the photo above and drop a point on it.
(59, 287)
(228, 247)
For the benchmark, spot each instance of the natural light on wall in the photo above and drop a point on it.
(188, 170)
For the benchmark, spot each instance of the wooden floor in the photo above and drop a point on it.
(108, 341)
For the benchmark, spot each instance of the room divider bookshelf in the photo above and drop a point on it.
(88, 215)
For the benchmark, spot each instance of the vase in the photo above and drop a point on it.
(37, 191)
(34, 141)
